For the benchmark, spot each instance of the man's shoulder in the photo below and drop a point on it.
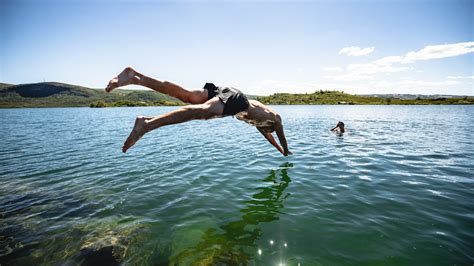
(258, 105)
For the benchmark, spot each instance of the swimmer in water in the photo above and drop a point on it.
(339, 128)
(209, 102)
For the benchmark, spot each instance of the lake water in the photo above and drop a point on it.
(397, 189)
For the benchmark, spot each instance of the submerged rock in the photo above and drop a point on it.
(101, 256)
(107, 248)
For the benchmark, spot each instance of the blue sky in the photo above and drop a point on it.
(260, 47)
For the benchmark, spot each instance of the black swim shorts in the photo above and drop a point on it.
(234, 100)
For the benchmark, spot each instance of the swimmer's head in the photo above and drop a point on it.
(341, 126)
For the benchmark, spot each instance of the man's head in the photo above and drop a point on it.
(340, 125)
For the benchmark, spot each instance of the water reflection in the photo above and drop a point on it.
(235, 242)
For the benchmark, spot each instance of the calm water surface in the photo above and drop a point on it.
(397, 189)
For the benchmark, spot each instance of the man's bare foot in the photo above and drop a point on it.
(137, 132)
(128, 76)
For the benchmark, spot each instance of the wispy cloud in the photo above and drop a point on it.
(424, 84)
(349, 77)
(356, 72)
(375, 67)
(440, 51)
(431, 52)
(356, 51)
(397, 63)
(333, 69)
(460, 77)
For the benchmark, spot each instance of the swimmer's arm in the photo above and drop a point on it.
(281, 136)
(270, 139)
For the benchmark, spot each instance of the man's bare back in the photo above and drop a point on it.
(259, 115)
(215, 102)
(266, 121)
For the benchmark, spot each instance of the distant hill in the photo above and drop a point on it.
(54, 94)
(4, 85)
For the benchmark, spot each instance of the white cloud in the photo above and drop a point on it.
(356, 51)
(439, 51)
(356, 72)
(460, 77)
(430, 52)
(424, 84)
(389, 60)
(349, 77)
(392, 64)
(373, 68)
(334, 69)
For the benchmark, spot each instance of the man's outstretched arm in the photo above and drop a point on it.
(270, 139)
(281, 136)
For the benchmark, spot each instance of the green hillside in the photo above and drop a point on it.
(4, 85)
(336, 97)
(53, 94)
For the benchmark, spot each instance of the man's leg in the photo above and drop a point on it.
(130, 76)
(210, 109)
